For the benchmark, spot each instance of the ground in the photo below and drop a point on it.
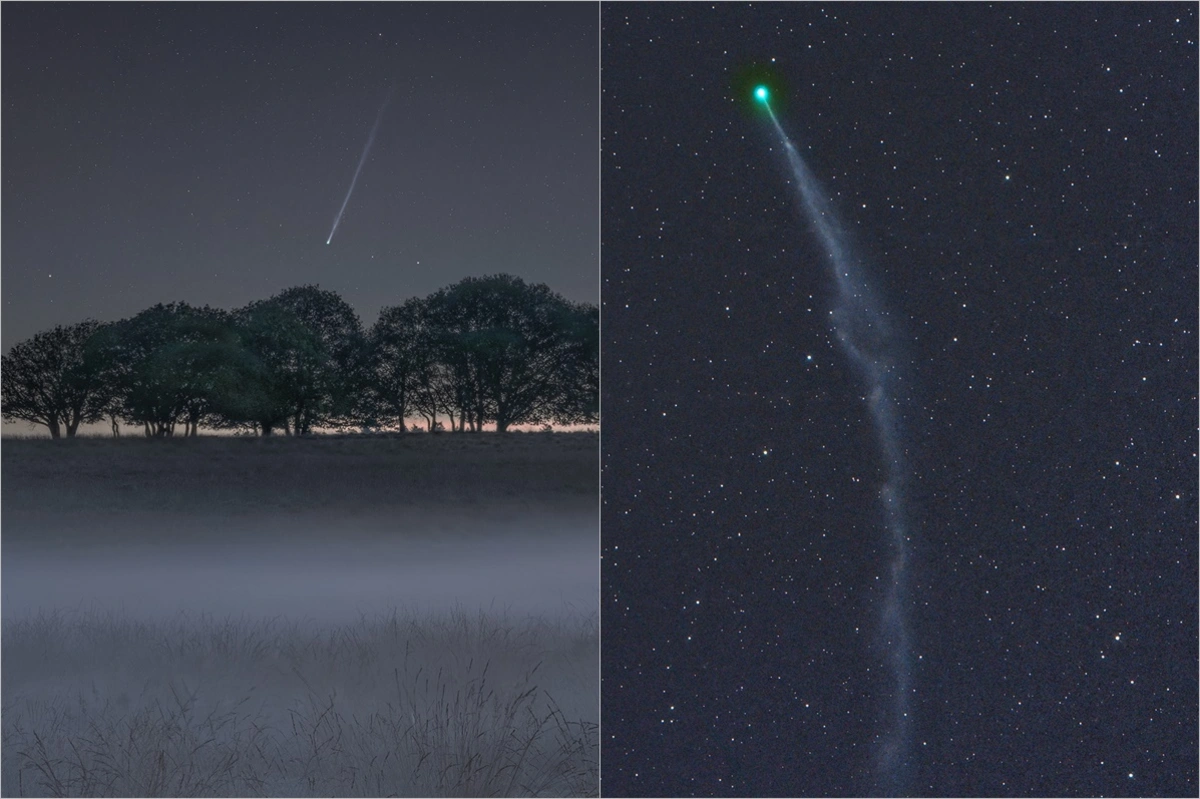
(150, 585)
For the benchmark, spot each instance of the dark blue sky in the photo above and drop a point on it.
(1020, 184)
(199, 152)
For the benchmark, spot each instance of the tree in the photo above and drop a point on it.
(512, 351)
(162, 365)
(578, 396)
(401, 364)
(278, 371)
(485, 350)
(49, 380)
(338, 366)
(205, 358)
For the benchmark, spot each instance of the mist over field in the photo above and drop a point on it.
(530, 570)
(301, 616)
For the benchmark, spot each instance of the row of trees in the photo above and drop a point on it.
(491, 350)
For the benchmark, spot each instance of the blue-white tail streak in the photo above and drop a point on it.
(864, 333)
(361, 161)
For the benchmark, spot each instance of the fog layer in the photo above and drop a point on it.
(541, 565)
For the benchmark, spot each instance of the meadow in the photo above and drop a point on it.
(329, 616)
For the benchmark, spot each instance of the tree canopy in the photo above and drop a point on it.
(48, 380)
(486, 351)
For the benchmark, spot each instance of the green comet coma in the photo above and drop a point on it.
(761, 94)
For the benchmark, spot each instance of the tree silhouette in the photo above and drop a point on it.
(512, 349)
(280, 370)
(577, 399)
(48, 380)
(490, 350)
(401, 363)
(335, 359)
(161, 365)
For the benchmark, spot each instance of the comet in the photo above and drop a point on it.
(866, 332)
(361, 161)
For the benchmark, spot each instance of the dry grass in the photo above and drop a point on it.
(451, 705)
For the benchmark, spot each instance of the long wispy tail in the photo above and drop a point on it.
(863, 329)
(362, 160)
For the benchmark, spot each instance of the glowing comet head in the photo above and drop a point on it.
(761, 94)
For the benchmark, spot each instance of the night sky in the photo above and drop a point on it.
(1020, 186)
(199, 153)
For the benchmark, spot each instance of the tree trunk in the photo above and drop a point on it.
(266, 429)
(54, 429)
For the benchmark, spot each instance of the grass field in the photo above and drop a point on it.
(327, 616)
(455, 705)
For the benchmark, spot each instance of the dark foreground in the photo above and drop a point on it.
(342, 474)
